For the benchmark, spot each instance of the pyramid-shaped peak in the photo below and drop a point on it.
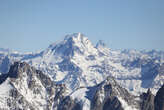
(73, 43)
(71, 39)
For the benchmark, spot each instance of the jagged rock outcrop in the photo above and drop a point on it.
(26, 88)
(151, 102)
(147, 102)
(30, 89)
(107, 95)
(110, 96)
(69, 104)
(159, 99)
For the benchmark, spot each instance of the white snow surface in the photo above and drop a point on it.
(4, 93)
(125, 105)
(80, 96)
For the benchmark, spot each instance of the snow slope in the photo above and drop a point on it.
(76, 62)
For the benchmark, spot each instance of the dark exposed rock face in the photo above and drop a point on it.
(69, 104)
(147, 101)
(3, 78)
(112, 103)
(111, 91)
(159, 99)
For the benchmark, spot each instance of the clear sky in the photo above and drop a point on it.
(30, 25)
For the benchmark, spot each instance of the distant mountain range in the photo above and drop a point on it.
(76, 75)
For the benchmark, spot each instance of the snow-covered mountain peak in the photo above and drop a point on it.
(78, 39)
(72, 44)
(71, 38)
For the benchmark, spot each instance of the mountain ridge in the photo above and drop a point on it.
(77, 62)
(28, 88)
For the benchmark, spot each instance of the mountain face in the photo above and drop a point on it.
(108, 95)
(25, 87)
(75, 66)
(76, 62)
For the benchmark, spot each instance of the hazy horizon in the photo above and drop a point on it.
(27, 26)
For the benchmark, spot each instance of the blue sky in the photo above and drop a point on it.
(30, 25)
